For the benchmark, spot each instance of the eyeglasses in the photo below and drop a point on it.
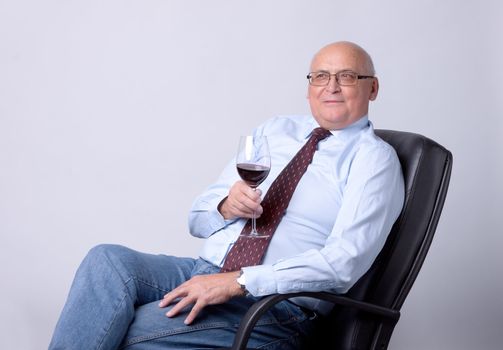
(343, 78)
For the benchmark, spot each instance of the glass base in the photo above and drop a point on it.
(254, 236)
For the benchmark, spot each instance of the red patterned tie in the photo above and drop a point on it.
(249, 252)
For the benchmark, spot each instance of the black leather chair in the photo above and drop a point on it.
(364, 318)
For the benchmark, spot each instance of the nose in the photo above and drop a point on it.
(332, 85)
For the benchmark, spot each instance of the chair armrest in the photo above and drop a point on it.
(260, 307)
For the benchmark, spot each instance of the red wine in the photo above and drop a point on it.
(253, 174)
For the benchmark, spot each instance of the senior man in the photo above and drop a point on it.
(335, 221)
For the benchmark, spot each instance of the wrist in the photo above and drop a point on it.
(223, 209)
(241, 280)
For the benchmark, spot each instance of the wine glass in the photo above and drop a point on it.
(253, 163)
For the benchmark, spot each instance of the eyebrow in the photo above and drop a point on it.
(342, 70)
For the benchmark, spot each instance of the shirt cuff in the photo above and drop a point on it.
(216, 221)
(260, 280)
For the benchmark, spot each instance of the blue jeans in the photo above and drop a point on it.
(113, 304)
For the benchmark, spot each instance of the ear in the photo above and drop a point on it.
(374, 89)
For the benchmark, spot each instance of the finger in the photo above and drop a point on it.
(252, 207)
(254, 194)
(164, 302)
(171, 296)
(251, 197)
(196, 309)
(241, 207)
(242, 201)
(242, 189)
(245, 211)
(247, 206)
(183, 303)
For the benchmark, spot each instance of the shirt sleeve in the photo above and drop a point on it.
(373, 198)
(204, 217)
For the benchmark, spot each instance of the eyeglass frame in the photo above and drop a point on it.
(358, 77)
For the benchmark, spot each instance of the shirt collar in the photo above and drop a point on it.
(344, 133)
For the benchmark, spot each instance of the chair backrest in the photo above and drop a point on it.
(426, 167)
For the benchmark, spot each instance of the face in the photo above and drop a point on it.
(334, 106)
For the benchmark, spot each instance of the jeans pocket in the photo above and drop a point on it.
(286, 312)
(203, 267)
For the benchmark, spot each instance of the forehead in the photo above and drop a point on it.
(337, 58)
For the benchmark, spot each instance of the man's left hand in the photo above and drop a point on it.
(200, 291)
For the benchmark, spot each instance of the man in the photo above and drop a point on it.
(336, 222)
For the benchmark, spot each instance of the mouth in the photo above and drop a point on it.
(329, 102)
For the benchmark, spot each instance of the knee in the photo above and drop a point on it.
(108, 254)
(105, 268)
(106, 250)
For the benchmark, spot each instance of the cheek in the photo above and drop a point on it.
(315, 91)
(311, 94)
(353, 98)
(313, 99)
(357, 106)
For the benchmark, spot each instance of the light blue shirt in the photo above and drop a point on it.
(336, 222)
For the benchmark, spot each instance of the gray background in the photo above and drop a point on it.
(115, 114)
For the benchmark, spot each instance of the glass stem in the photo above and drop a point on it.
(254, 221)
(254, 225)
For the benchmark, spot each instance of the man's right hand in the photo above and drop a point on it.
(241, 202)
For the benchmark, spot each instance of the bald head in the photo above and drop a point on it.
(361, 59)
(336, 106)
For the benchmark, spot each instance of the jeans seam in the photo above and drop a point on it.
(153, 285)
(117, 308)
(174, 331)
(195, 328)
(129, 277)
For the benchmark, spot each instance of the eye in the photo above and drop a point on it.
(346, 78)
(346, 75)
(320, 76)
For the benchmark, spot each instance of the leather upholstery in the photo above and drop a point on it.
(426, 167)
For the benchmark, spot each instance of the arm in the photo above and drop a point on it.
(204, 216)
(210, 211)
(372, 200)
(203, 290)
(222, 204)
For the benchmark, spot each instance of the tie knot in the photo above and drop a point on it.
(320, 134)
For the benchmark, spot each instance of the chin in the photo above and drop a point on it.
(334, 123)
